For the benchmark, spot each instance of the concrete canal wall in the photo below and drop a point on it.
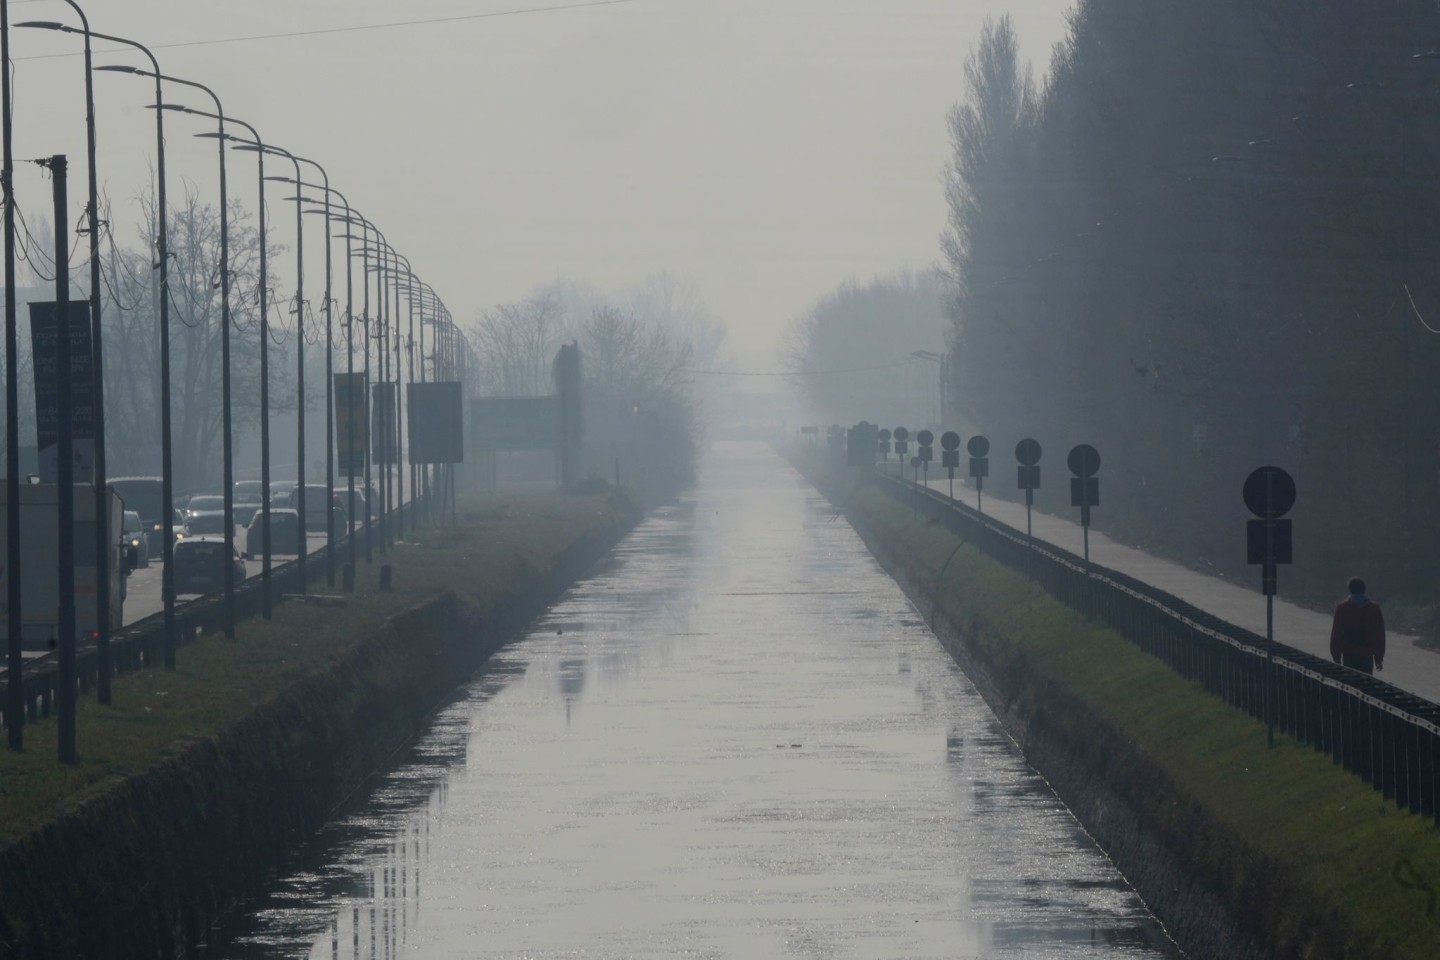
(146, 865)
(1172, 815)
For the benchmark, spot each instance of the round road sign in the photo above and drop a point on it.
(950, 440)
(978, 447)
(884, 436)
(1084, 460)
(1269, 492)
(1027, 452)
(901, 434)
(925, 438)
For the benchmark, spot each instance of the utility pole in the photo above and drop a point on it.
(65, 494)
(15, 661)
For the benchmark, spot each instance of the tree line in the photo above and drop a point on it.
(641, 406)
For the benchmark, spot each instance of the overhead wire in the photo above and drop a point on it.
(357, 28)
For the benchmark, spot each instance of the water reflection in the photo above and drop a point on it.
(735, 739)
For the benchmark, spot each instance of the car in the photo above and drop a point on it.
(245, 498)
(284, 533)
(132, 537)
(205, 514)
(146, 496)
(280, 492)
(315, 494)
(200, 564)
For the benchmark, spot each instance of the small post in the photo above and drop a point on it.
(386, 577)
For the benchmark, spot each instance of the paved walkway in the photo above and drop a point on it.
(1407, 665)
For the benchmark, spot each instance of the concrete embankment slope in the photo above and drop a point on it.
(197, 784)
(1239, 850)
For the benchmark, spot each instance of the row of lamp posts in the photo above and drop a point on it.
(392, 273)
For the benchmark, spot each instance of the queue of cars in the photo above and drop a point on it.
(199, 526)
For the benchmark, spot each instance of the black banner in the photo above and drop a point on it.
(352, 424)
(433, 415)
(49, 381)
(384, 451)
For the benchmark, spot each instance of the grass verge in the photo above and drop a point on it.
(1306, 856)
(498, 543)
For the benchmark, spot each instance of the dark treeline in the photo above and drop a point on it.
(1211, 241)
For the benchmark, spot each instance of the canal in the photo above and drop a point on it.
(736, 738)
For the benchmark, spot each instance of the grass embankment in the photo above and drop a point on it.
(497, 544)
(1305, 855)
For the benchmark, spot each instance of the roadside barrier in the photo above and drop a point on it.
(1386, 736)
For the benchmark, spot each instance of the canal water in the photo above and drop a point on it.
(735, 739)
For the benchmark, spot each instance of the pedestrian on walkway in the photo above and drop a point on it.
(1357, 635)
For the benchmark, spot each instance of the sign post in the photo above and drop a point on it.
(926, 440)
(1269, 492)
(902, 437)
(950, 459)
(882, 446)
(979, 448)
(1027, 452)
(1084, 462)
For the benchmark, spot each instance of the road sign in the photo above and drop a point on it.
(1028, 453)
(950, 458)
(978, 447)
(1269, 492)
(1085, 492)
(1028, 478)
(1277, 546)
(352, 424)
(435, 422)
(79, 381)
(901, 435)
(950, 440)
(1084, 460)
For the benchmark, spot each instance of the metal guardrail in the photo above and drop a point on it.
(1386, 736)
(141, 645)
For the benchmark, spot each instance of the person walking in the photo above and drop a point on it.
(1357, 635)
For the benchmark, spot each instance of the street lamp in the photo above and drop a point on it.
(266, 563)
(304, 546)
(226, 416)
(103, 546)
(167, 475)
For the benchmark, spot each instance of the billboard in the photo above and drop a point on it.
(434, 419)
(352, 424)
(49, 381)
(385, 422)
(516, 423)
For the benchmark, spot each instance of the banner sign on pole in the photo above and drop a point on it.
(434, 420)
(352, 424)
(384, 430)
(50, 380)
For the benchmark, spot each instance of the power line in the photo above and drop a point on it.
(322, 31)
(803, 373)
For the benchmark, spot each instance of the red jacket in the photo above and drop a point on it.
(1359, 630)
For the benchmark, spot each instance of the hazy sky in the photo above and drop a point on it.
(768, 149)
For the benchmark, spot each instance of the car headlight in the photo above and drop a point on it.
(135, 542)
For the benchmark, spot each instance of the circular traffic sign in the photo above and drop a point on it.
(925, 438)
(950, 440)
(978, 447)
(901, 434)
(884, 436)
(1027, 452)
(1269, 492)
(1084, 460)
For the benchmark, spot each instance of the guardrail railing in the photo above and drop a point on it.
(1386, 736)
